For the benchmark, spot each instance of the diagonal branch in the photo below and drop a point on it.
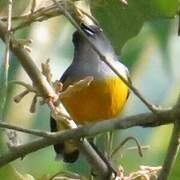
(30, 67)
(48, 94)
(75, 22)
(52, 11)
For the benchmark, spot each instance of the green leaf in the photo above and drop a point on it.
(122, 22)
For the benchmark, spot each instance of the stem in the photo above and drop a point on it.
(124, 142)
(172, 153)
(24, 130)
(4, 73)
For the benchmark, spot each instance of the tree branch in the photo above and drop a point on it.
(75, 22)
(46, 91)
(144, 120)
(30, 67)
(39, 15)
(173, 147)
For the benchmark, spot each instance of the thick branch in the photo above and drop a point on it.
(144, 120)
(44, 89)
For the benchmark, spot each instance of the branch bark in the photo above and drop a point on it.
(144, 120)
(172, 153)
(46, 91)
(30, 67)
(4, 70)
(173, 147)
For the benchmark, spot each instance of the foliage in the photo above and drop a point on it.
(122, 22)
(146, 34)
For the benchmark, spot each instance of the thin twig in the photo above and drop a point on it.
(172, 152)
(39, 81)
(7, 41)
(24, 130)
(124, 142)
(41, 14)
(68, 175)
(19, 97)
(4, 75)
(144, 147)
(73, 20)
(26, 85)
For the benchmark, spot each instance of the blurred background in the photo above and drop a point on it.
(145, 37)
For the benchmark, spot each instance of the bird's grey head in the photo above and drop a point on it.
(97, 36)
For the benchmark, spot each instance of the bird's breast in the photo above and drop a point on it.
(102, 99)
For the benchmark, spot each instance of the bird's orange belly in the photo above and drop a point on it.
(102, 99)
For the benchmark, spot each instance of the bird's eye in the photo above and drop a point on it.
(89, 30)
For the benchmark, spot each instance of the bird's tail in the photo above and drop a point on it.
(67, 151)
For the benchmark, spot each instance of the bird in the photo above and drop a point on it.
(106, 95)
